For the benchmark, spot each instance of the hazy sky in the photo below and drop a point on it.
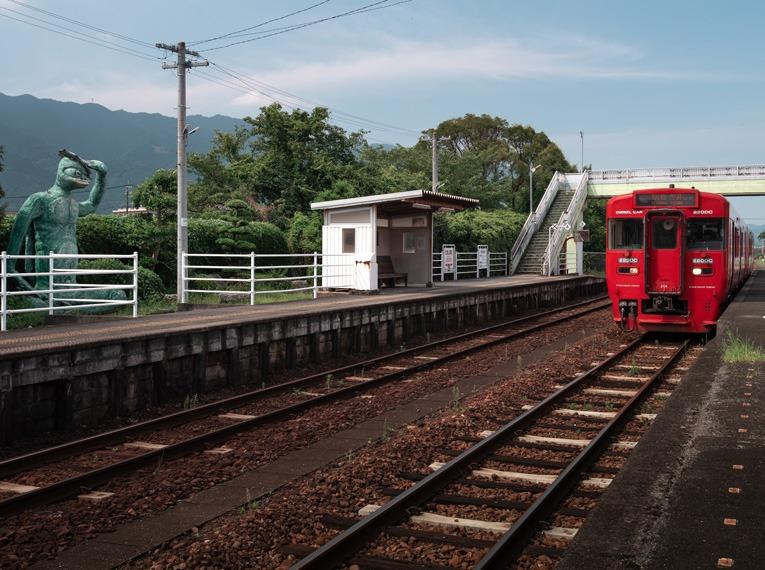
(669, 83)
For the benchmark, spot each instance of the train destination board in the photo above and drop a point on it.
(687, 199)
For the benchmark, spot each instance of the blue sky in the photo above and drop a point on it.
(650, 83)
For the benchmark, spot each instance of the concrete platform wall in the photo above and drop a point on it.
(79, 386)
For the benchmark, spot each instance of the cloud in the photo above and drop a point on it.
(404, 62)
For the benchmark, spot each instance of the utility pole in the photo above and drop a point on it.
(128, 189)
(183, 221)
(433, 143)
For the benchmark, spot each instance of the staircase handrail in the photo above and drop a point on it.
(565, 223)
(533, 221)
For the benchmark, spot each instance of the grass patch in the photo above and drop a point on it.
(737, 349)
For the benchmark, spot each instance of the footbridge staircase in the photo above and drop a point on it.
(543, 235)
(559, 213)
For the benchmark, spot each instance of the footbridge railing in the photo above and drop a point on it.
(533, 221)
(566, 222)
(57, 289)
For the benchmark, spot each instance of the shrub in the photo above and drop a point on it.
(496, 228)
(149, 283)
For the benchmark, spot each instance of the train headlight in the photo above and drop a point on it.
(628, 270)
(696, 270)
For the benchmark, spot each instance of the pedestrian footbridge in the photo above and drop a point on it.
(550, 232)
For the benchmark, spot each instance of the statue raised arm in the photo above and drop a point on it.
(47, 221)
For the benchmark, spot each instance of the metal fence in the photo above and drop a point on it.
(242, 273)
(466, 265)
(57, 289)
(593, 263)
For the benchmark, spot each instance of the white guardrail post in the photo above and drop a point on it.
(184, 276)
(4, 292)
(135, 284)
(50, 284)
(315, 274)
(252, 278)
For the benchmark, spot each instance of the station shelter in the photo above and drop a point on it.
(382, 240)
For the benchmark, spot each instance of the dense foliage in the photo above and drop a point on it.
(252, 190)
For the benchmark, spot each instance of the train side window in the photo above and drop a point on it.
(664, 233)
(705, 234)
(625, 233)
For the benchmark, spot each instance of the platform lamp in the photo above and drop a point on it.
(532, 170)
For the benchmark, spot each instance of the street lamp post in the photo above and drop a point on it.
(581, 136)
(532, 169)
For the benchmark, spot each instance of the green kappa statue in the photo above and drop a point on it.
(47, 222)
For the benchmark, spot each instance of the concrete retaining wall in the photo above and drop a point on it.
(80, 386)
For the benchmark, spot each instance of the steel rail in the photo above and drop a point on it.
(344, 545)
(18, 464)
(513, 541)
(73, 485)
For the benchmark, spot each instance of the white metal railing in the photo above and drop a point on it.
(63, 293)
(565, 223)
(467, 266)
(309, 272)
(534, 221)
(711, 172)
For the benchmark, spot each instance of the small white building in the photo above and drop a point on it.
(382, 240)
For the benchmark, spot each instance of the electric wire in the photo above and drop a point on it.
(311, 7)
(263, 89)
(290, 27)
(83, 24)
(264, 35)
(86, 39)
(248, 91)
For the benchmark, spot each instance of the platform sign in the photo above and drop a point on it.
(483, 257)
(448, 258)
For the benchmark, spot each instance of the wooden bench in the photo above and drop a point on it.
(387, 274)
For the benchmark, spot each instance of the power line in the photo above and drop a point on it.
(73, 191)
(83, 24)
(360, 10)
(282, 29)
(263, 88)
(311, 7)
(249, 90)
(87, 39)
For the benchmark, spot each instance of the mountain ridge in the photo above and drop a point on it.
(133, 145)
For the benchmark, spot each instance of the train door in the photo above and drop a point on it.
(664, 253)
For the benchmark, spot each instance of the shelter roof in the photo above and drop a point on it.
(435, 200)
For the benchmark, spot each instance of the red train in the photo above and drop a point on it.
(674, 257)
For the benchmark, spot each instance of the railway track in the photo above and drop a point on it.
(59, 472)
(547, 460)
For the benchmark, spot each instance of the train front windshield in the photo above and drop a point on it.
(705, 234)
(625, 233)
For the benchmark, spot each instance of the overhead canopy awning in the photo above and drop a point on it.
(420, 199)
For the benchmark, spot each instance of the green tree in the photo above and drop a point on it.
(159, 193)
(484, 157)
(280, 161)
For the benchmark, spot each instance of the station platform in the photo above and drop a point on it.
(65, 375)
(692, 494)
(52, 337)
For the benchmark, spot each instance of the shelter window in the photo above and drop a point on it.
(705, 234)
(664, 233)
(410, 242)
(626, 233)
(349, 240)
